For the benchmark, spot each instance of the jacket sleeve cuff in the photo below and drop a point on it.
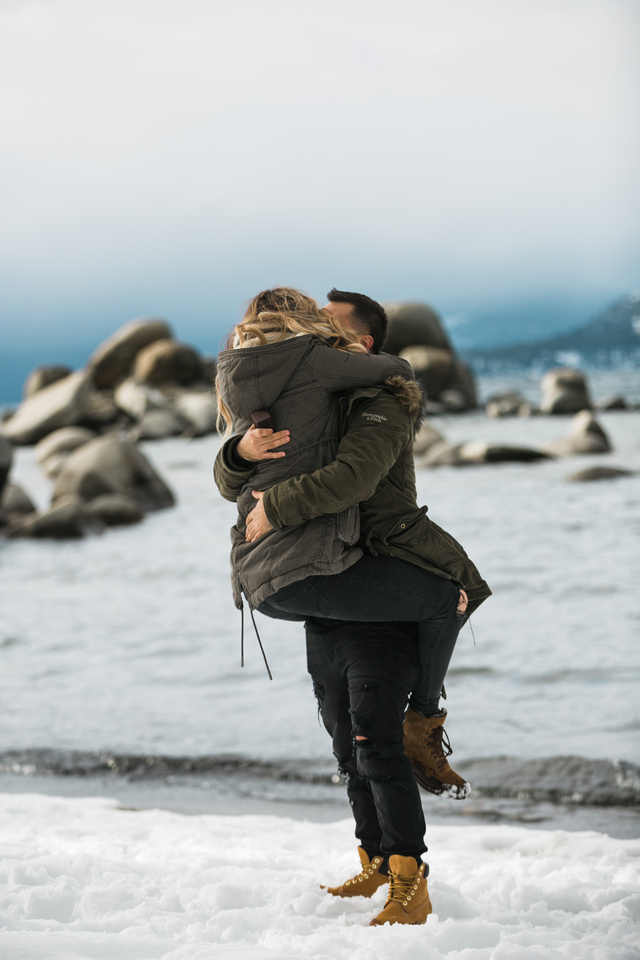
(232, 458)
(270, 510)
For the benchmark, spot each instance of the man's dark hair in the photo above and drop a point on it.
(368, 314)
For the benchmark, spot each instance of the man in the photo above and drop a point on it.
(363, 673)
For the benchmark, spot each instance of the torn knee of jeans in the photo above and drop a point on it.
(362, 725)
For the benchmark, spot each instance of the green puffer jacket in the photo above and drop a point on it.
(375, 468)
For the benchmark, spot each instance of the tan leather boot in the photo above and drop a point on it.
(427, 746)
(366, 882)
(408, 900)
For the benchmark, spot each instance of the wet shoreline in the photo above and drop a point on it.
(569, 793)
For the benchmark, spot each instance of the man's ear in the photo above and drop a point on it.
(367, 341)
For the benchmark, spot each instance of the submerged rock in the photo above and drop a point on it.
(599, 473)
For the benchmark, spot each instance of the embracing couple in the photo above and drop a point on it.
(329, 532)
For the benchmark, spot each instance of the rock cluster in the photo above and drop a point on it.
(563, 390)
(99, 481)
(585, 436)
(138, 384)
(416, 333)
(140, 379)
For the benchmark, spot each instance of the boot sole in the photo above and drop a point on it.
(431, 785)
(403, 923)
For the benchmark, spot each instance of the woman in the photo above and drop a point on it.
(292, 359)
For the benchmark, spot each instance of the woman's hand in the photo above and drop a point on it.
(256, 444)
(463, 600)
(257, 523)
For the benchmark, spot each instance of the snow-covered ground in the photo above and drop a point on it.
(87, 880)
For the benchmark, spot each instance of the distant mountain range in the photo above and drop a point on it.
(610, 339)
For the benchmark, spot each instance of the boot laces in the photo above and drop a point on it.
(367, 871)
(438, 741)
(400, 888)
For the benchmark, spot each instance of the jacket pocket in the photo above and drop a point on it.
(410, 530)
(425, 540)
(348, 525)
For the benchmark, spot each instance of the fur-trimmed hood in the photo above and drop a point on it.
(411, 395)
(408, 392)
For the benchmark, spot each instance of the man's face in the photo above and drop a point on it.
(344, 313)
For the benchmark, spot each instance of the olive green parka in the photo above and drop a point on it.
(374, 468)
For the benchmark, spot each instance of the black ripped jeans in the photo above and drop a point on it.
(362, 674)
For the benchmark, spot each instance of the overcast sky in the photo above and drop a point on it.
(172, 157)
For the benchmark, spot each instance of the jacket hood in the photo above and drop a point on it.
(409, 393)
(252, 378)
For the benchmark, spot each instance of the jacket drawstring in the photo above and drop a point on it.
(264, 656)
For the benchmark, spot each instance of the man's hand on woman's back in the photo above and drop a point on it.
(257, 444)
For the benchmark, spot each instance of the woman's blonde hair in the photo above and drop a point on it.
(278, 314)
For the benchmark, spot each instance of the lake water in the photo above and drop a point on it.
(126, 645)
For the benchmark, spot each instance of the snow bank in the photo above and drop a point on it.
(87, 880)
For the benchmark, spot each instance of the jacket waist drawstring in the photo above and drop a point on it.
(264, 656)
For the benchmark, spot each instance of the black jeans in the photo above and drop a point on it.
(380, 589)
(362, 674)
